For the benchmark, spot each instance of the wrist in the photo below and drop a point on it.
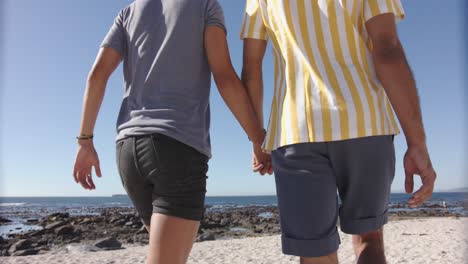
(85, 139)
(258, 140)
(416, 143)
(85, 142)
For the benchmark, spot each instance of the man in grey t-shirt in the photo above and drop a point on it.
(169, 49)
(167, 75)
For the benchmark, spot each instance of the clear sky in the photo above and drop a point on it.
(48, 48)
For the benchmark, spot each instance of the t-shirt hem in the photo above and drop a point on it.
(130, 132)
(216, 24)
(270, 150)
(112, 46)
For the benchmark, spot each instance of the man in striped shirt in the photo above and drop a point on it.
(339, 69)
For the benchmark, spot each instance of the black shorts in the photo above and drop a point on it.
(163, 175)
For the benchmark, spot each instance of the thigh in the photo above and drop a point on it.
(171, 239)
(138, 188)
(307, 199)
(364, 169)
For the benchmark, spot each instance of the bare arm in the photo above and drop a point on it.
(233, 92)
(395, 75)
(229, 85)
(252, 73)
(252, 77)
(106, 62)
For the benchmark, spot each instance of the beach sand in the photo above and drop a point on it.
(424, 240)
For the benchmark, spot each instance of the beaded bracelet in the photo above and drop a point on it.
(85, 137)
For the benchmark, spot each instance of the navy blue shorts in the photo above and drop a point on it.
(308, 177)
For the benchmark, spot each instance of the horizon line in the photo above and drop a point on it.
(208, 196)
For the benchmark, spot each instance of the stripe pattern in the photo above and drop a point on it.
(326, 87)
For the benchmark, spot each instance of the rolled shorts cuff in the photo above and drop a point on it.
(364, 225)
(311, 248)
(194, 214)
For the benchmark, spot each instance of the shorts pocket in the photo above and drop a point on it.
(118, 154)
(118, 158)
(181, 169)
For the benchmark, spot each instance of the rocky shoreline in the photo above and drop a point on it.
(113, 227)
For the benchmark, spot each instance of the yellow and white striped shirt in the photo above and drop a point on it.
(326, 88)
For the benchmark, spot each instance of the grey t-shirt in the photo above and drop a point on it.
(166, 72)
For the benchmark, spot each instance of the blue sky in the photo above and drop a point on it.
(48, 48)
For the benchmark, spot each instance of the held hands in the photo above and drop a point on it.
(417, 161)
(261, 161)
(86, 158)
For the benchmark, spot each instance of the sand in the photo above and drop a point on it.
(425, 240)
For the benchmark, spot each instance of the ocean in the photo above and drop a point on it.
(20, 209)
(38, 206)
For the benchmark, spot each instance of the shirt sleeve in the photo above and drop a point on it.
(374, 8)
(253, 26)
(115, 38)
(215, 15)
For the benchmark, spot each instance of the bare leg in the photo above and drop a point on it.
(171, 239)
(330, 259)
(369, 248)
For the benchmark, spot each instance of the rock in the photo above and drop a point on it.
(22, 244)
(224, 222)
(206, 237)
(4, 253)
(109, 243)
(244, 222)
(55, 225)
(115, 219)
(142, 230)
(76, 239)
(2, 240)
(43, 251)
(258, 229)
(121, 222)
(78, 248)
(26, 252)
(38, 233)
(142, 240)
(4, 220)
(128, 224)
(65, 230)
(59, 215)
(86, 221)
(210, 225)
(99, 220)
(33, 220)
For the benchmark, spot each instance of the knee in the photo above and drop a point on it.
(373, 238)
(330, 259)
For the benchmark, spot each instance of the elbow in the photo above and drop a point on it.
(95, 76)
(388, 50)
(224, 80)
(96, 83)
(251, 72)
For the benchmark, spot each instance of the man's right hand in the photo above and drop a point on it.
(417, 161)
(86, 159)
